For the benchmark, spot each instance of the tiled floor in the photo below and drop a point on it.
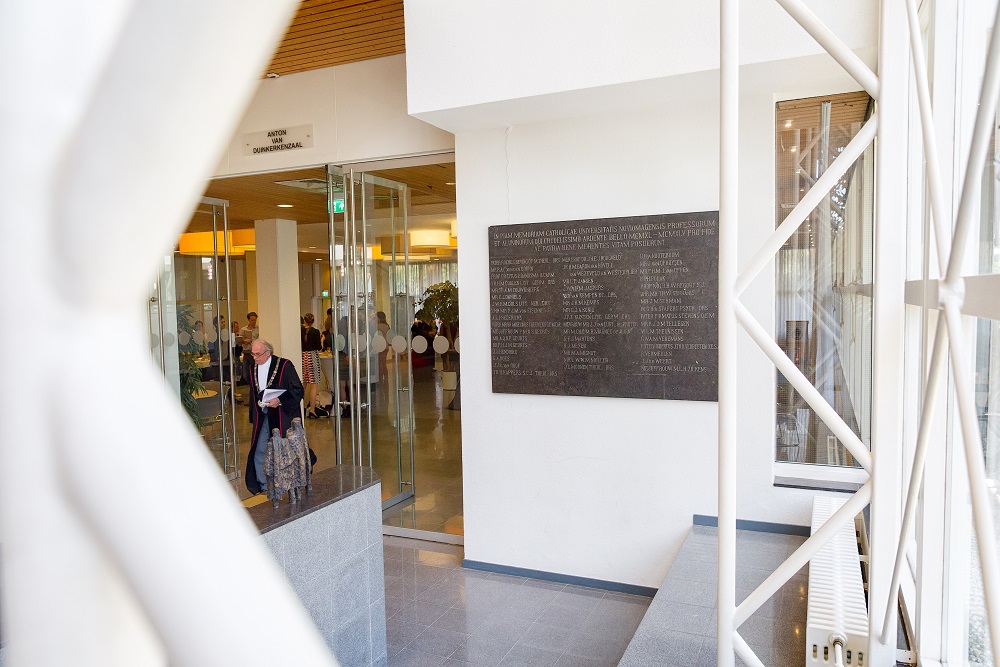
(441, 614)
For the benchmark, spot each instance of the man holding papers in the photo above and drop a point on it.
(275, 400)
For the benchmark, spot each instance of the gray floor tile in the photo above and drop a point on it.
(523, 609)
(483, 651)
(462, 620)
(438, 641)
(602, 647)
(421, 613)
(525, 656)
(579, 598)
(577, 661)
(688, 618)
(501, 627)
(410, 658)
(547, 637)
(677, 649)
(564, 617)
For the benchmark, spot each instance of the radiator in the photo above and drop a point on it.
(836, 594)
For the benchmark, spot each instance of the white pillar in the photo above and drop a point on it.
(887, 318)
(278, 287)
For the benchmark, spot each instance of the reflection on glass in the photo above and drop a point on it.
(987, 388)
(823, 277)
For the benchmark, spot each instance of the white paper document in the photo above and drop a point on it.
(271, 393)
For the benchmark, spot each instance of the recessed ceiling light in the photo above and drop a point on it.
(452, 183)
(788, 123)
(285, 205)
(312, 247)
(319, 259)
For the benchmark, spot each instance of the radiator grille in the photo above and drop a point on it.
(836, 593)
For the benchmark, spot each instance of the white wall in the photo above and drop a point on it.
(602, 487)
(358, 112)
(460, 54)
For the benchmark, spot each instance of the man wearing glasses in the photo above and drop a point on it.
(277, 412)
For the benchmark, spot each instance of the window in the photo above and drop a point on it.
(823, 277)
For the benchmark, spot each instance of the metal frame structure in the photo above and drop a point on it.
(98, 569)
(884, 464)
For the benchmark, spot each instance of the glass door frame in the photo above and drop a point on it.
(360, 185)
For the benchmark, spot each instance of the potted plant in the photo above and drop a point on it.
(190, 374)
(440, 302)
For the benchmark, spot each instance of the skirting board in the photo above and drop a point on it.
(586, 582)
(756, 526)
(425, 535)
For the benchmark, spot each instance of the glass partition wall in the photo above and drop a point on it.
(371, 318)
(190, 304)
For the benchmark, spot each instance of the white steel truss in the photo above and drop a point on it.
(123, 545)
(948, 337)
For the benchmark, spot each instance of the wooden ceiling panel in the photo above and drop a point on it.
(325, 33)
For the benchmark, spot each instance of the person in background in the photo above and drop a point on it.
(270, 372)
(218, 350)
(311, 370)
(238, 351)
(328, 330)
(248, 335)
(199, 341)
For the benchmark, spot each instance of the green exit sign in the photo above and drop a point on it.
(338, 205)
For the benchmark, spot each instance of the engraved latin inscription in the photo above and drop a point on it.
(613, 307)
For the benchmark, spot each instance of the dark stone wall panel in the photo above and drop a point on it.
(622, 307)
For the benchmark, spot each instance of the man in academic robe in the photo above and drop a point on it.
(270, 372)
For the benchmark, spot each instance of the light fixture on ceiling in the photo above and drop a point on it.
(271, 75)
(312, 247)
(788, 123)
(794, 149)
(285, 205)
(451, 183)
(430, 237)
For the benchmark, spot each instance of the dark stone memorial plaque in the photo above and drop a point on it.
(613, 307)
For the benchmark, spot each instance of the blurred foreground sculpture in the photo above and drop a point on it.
(287, 464)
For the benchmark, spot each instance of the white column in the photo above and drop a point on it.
(251, 259)
(278, 287)
(728, 226)
(887, 318)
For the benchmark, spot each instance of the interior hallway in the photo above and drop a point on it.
(437, 438)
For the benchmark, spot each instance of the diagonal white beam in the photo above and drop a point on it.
(804, 553)
(935, 375)
(833, 45)
(983, 130)
(745, 652)
(982, 512)
(805, 388)
(810, 201)
(939, 216)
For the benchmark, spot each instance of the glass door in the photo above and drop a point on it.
(190, 337)
(372, 316)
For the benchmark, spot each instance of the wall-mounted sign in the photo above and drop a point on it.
(338, 205)
(278, 139)
(613, 307)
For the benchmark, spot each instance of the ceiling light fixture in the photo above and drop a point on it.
(271, 75)
(788, 123)
(286, 205)
(452, 183)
